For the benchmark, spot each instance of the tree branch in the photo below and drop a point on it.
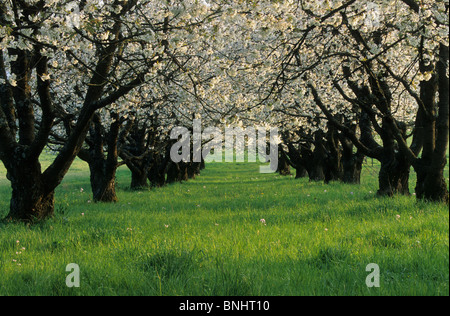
(347, 131)
(46, 104)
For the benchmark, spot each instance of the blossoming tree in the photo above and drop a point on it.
(51, 51)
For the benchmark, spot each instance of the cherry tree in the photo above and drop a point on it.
(428, 87)
(46, 45)
(128, 129)
(364, 58)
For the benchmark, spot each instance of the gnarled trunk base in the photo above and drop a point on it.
(30, 200)
(30, 205)
(103, 185)
(431, 186)
(352, 169)
(394, 178)
(139, 180)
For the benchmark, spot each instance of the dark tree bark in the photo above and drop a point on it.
(395, 167)
(301, 172)
(31, 199)
(333, 159)
(173, 172)
(103, 166)
(202, 165)
(352, 164)
(393, 177)
(316, 165)
(184, 171)
(139, 179)
(103, 183)
(163, 171)
(431, 184)
(157, 173)
(193, 170)
(284, 167)
(341, 163)
(135, 153)
(306, 160)
(294, 158)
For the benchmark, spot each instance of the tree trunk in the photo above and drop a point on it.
(316, 173)
(103, 167)
(333, 167)
(431, 184)
(284, 168)
(30, 199)
(157, 174)
(300, 172)
(435, 188)
(193, 169)
(134, 153)
(184, 173)
(139, 179)
(394, 177)
(316, 168)
(103, 183)
(173, 172)
(202, 164)
(294, 158)
(351, 161)
(352, 166)
(333, 156)
(31, 204)
(395, 166)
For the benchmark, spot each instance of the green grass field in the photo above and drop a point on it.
(231, 231)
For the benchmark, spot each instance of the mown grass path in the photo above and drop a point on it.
(231, 231)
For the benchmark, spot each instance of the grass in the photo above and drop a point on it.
(205, 237)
